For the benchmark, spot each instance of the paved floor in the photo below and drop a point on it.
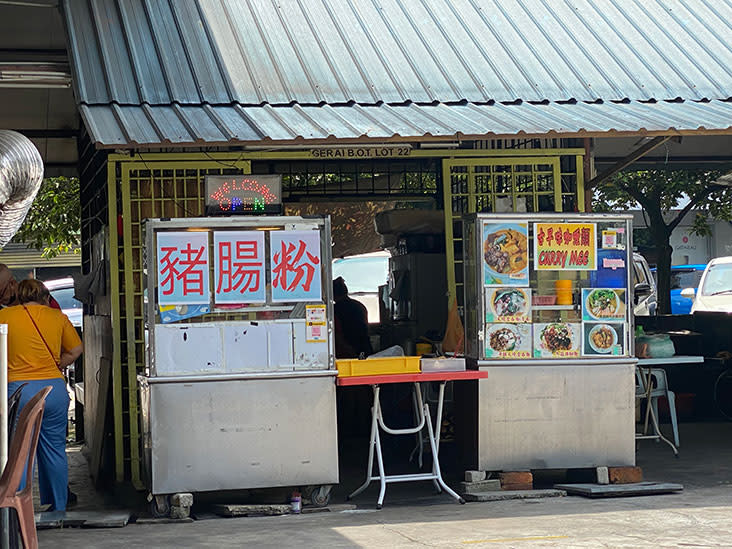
(698, 517)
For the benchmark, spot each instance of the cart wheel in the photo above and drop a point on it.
(461, 501)
(160, 506)
(321, 495)
(378, 506)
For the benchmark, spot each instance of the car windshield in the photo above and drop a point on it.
(718, 279)
(65, 298)
(685, 279)
(362, 274)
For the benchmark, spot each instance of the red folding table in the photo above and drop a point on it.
(423, 420)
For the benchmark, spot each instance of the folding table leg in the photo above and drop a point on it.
(436, 461)
(380, 463)
(373, 441)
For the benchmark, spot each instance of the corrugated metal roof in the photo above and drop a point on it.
(119, 126)
(335, 51)
(313, 69)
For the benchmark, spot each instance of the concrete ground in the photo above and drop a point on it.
(413, 516)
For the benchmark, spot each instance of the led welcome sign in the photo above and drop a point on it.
(243, 194)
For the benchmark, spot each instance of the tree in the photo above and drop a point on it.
(659, 193)
(53, 223)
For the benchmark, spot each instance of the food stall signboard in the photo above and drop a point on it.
(239, 267)
(183, 266)
(295, 266)
(243, 194)
(557, 340)
(508, 304)
(505, 251)
(565, 247)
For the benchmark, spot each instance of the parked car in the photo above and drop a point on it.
(363, 275)
(645, 296)
(714, 292)
(682, 276)
(62, 290)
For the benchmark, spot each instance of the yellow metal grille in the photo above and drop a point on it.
(519, 184)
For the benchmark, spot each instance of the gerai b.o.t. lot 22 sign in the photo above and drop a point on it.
(565, 247)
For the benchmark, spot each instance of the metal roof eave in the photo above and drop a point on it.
(176, 126)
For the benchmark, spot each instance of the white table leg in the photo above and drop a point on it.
(377, 422)
(434, 439)
(373, 441)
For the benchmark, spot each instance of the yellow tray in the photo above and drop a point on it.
(351, 367)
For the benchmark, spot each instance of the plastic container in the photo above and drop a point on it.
(543, 300)
(351, 367)
(564, 291)
(424, 348)
(443, 364)
(296, 502)
(657, 345)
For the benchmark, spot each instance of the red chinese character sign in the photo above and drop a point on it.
(295, 266)
(239, 267)
(565, 247)
(182, 263)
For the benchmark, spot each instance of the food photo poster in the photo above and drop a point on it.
(508, 341)
(508, 305)
(603, 338)
(603, 304)
(505, 250)
(557, 339)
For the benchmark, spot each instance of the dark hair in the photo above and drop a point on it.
(339, 287)
(31, 289)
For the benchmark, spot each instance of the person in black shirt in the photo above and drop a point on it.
(351, 323)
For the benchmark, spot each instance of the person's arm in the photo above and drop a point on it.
(71, 346)
(70, 356)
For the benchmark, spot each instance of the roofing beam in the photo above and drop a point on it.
(626, 161)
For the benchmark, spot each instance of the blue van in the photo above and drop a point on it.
(683, 276)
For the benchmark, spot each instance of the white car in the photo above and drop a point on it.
(645, 300)
(62, 290)
(715, 288)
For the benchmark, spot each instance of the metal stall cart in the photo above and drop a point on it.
(549, 316)
(240, 388)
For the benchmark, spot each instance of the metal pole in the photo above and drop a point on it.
(4, 515)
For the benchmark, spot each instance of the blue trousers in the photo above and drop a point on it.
(53, 468)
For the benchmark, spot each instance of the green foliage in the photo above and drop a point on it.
(659, 193)
(53, 223)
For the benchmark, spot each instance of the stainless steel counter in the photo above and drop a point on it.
(539, 415)
(240, 432)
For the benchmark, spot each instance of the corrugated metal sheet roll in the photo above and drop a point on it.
(21, 174)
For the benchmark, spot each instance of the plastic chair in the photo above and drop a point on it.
(13, 402)
(659, 387)
(22, 451)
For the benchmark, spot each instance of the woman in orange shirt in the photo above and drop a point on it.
(41, 343)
